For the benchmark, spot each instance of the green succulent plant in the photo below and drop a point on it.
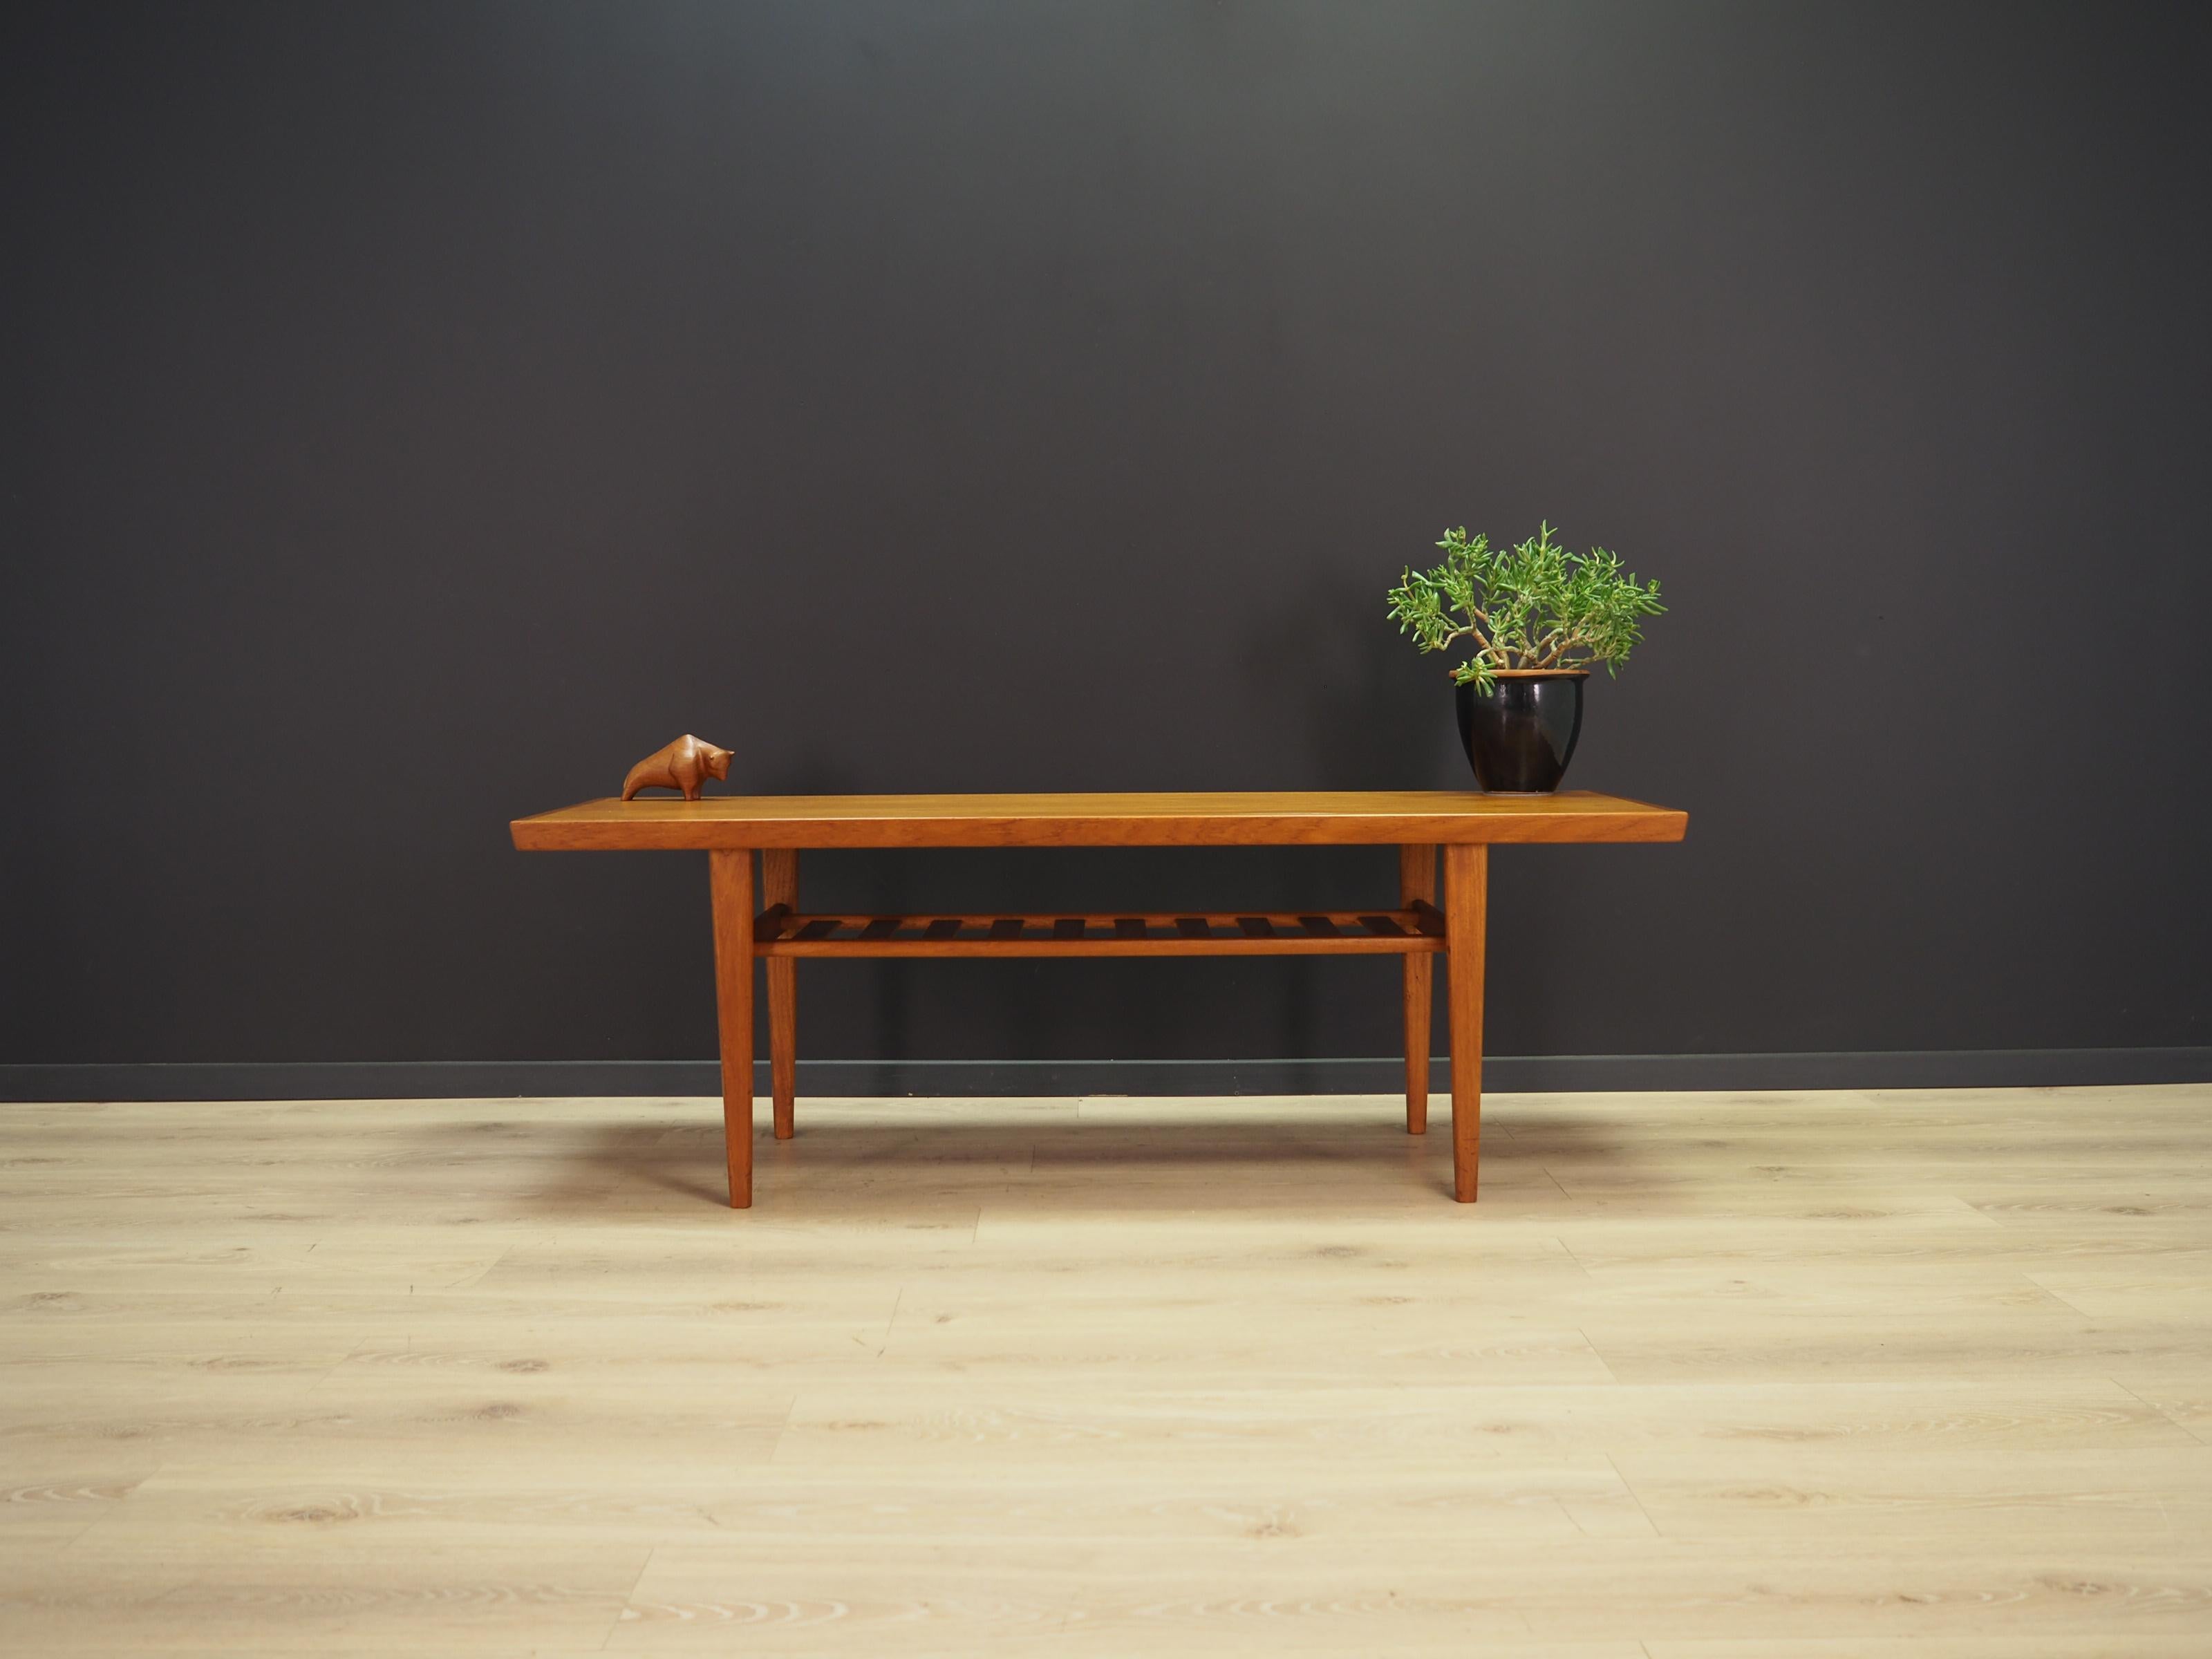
(1533, 605)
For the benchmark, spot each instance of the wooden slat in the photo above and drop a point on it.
(1313, 932)
(1032, 943)
(1118, 923)
(1110, 921)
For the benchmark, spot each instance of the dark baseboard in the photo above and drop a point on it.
(1931, 1069)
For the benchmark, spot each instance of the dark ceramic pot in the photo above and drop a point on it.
(1520, 734)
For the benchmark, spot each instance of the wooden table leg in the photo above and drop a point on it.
(1467, 904)
(730, 878)
(1417, 879)
(780, 885)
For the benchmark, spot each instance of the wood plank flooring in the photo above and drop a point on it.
(1835, 1376)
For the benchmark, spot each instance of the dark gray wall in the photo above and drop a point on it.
(416, 413)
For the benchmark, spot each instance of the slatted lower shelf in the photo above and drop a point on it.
(779, 932)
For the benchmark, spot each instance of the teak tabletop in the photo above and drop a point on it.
(1292, 818)
(733, 830)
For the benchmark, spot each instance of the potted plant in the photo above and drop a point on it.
(1538, 616)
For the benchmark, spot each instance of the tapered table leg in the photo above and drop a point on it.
(1467, 904)
(1417, 879)
(730, 878)
(780, 885)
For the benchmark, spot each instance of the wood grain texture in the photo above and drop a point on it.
(1310, 817)
(780, 889)
(1466, 911)
(1417, 884)
(731, 828)
(683, 766)
(1907, 1375)
(730, 882)
(1375, 932)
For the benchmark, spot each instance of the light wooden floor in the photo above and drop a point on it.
(1761, 1376)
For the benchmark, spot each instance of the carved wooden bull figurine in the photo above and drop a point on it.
(679, 766)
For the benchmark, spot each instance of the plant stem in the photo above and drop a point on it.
(1554, 645)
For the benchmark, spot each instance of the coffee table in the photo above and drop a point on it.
(733, 830)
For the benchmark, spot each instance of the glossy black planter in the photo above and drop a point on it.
(1521, 734)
